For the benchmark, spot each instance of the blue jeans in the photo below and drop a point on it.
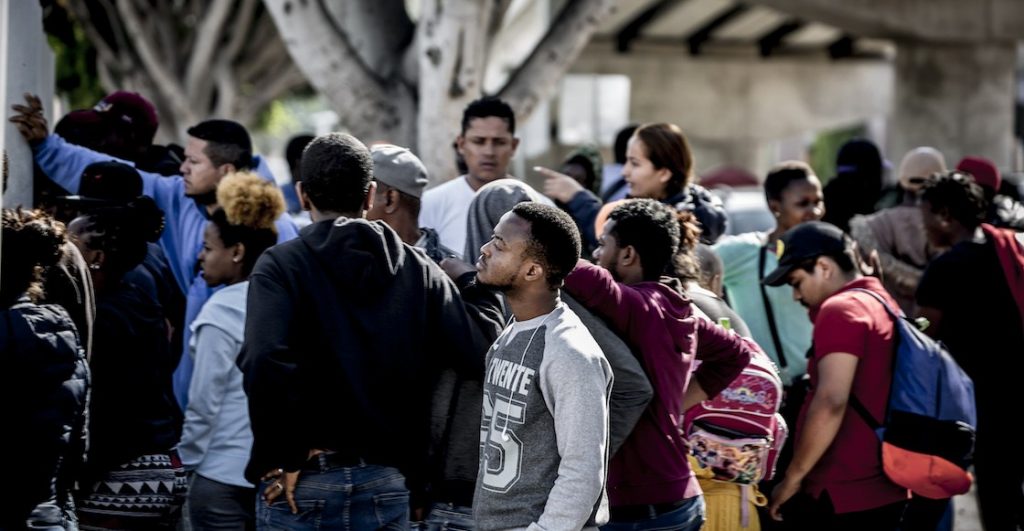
(356, 498)
(689, 517)
(215, 505)
(447, 516)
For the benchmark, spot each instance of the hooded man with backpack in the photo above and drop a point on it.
(836, 479)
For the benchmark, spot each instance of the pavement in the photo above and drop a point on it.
(966, 516)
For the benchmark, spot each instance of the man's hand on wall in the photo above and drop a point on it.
(29, 119)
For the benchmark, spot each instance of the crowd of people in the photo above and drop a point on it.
(188, 351)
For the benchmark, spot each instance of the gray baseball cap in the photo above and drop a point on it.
(398, 168)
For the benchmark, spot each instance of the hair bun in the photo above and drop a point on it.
(34, 233)
(148, 217)
(250, 200)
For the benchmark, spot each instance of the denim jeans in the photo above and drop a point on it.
(447, 516)
(689, 517)
(356, 498)
(216, 505)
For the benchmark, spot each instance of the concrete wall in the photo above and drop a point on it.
(26, 65)
(745, 110)
(957, 98)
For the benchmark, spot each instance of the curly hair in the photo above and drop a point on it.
(32, 241)
(664, 238)
(960, 195)
(554, 239)
(685, 265)
(249, 206)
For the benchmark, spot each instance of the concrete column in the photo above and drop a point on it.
(957, 98)
(26, 65)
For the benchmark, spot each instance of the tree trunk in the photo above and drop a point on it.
(370, 107)
(452, 40)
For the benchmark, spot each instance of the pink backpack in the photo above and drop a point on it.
(738, 434)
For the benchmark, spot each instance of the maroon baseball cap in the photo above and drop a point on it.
(132, 110)
(984, 171)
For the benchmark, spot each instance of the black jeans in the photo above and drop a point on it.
(804, 513)
(216, 505)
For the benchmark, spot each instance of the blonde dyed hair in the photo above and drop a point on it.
(249, 200)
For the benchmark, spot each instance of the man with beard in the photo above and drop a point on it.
(546, 385)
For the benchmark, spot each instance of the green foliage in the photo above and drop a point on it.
(75, 59)
(826, 146)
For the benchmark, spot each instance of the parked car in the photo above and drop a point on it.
(747, 209)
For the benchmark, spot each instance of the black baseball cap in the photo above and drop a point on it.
(802, 243)
(107, 183)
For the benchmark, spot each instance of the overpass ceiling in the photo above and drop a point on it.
(712, 27)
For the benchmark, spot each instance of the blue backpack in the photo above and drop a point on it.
(928, 433)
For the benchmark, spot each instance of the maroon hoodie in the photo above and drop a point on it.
(658, 322)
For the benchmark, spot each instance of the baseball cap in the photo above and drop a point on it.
(107, 183)
(398, 168)
(983, 170)
(132, 110)
(801, 243)
(918, 166)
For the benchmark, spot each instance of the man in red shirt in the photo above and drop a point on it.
(835, 480)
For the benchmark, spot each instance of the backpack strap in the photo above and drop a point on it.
(776, 341)
(857, 405)
(861, 410)
(895, 314)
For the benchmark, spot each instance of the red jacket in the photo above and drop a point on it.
(658, 322)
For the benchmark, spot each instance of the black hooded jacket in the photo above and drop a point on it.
(346, 331)
(44, 414)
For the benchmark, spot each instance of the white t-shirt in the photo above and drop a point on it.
(445, 208)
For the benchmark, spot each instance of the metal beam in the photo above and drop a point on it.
(697, 39)
(630, 32)
(773, 39)
(842, 47)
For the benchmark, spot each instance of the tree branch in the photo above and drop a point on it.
(208, 36)
(538, 77)
(103, 49)
(364, 104)
(166, 34)
(280, 83)
(497, 17)
(452, 40)
(377, 50)
(240, 30)
(263, 55)
(165, 83)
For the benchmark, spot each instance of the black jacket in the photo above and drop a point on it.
(44, 395)
(133, 410)
(346, 331)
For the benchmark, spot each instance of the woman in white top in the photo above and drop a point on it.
(217, 437)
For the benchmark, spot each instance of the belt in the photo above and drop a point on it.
(633, 513)
(329, 460)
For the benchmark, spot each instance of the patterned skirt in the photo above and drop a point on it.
(144, 493)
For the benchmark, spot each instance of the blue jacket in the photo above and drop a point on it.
(182, 238)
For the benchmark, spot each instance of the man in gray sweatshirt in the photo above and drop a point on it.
(544, 433)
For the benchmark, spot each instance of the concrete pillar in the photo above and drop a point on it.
(957, 98)
(26, 65)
